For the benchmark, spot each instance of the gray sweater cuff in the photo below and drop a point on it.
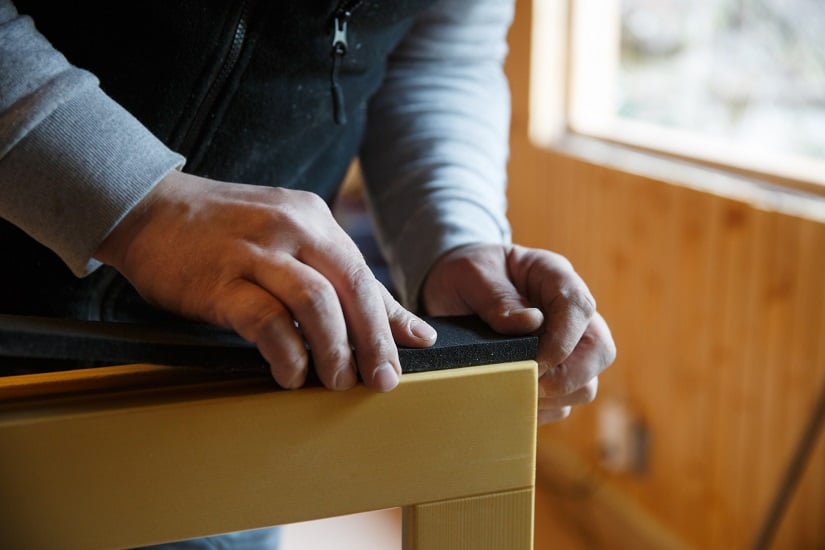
(74, 176)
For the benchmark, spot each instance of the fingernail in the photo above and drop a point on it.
(422, 330)
(385, 378)
(344, 378)
(532, 311)
(534, 314)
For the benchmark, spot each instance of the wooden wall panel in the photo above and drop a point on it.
(717, 305)
(717, 310)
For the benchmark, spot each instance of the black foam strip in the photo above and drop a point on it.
(466, 342)
(462, 342)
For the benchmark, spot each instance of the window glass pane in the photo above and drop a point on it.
(751, 70)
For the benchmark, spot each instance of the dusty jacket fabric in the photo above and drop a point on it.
(92, 115)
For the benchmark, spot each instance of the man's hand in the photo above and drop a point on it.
(519, 290)
(272, 264)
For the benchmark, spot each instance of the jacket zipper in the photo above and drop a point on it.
(239, 36)
(342, 17)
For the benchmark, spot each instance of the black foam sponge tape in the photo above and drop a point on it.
(465, 342)
(462, 341)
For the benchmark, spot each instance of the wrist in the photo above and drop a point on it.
(114, 248)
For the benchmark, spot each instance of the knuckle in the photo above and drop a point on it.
(568, 346)
(292, 205)
(579, 297)
(313, 296)
(546, 262)
(360, 280)
(382, 345)
(557, 382)
(561, 263)
(379, 347)
(294, 358)
(337, 356)
(568, 387)
(563, 347)
(261, 324)
(569, 381)
(311, 198)
(396, 313)
(288, 218)
(311, 201)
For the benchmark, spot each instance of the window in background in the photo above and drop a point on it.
(738, 83)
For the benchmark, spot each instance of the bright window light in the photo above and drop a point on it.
(739, 83)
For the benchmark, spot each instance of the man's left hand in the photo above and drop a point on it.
(519, 290)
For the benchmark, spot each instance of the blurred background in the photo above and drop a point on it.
(707, 261)
(750, 70)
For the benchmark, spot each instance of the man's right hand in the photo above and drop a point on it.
(273, 265)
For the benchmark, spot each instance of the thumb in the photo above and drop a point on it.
(407, 328)
(494, 298)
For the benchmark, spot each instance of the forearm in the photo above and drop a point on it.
(436, 148)
(72, 161)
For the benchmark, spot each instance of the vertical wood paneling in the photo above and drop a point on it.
(774, 309)
(802, 348)
(729, 356)
(717, 309)
(686, 281)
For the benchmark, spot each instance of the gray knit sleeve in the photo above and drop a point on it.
(72, 161)
(436, 147)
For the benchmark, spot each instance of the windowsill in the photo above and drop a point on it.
(761, 192)
(784, 169)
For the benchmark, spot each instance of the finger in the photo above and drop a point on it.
(585, 394)
(594, 353)
(363, 307)
(313, 303)
(258, 317)
(501, 306)
(407, 329)
(549, 281)
(553, 415)
(568, 314)
(490, 293)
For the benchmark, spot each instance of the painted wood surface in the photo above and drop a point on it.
(120, 468)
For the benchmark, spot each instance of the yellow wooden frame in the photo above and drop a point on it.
(97, 465)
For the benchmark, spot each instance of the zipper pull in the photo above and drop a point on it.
(339, 50)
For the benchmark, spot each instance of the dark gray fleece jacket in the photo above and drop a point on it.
(96, 106)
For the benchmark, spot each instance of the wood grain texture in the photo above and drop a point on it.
(128, 468)
(716, 299)
(485, 522)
